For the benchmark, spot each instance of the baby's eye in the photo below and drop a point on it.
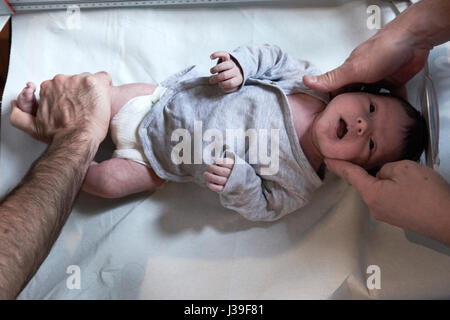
(371, 145)
(372, 108)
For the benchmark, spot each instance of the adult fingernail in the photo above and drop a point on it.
(312, 78)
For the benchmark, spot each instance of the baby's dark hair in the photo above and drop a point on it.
(416, 134)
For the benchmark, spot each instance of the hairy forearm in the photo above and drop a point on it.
(32, 216)
(428, 21)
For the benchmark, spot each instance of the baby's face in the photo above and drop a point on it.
(362, 128)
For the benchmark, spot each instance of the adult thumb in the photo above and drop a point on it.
(332, 80)
(353, 174)
(23, 120)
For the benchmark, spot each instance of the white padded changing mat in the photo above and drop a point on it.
(179, 243)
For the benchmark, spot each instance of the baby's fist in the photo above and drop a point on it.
(229, 75)
(218, 173)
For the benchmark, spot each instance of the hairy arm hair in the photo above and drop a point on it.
(32, 215)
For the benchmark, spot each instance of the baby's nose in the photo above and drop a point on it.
(361, 126)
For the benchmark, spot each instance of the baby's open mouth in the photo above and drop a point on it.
(341, 129)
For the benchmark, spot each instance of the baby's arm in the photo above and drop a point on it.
(229, 74)
(255, 198)
(264, 62)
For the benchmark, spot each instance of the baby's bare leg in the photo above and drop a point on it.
(116, 178)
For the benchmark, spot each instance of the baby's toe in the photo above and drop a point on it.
(28, 93)
(31, 86)
(26, 98)
(22, 95)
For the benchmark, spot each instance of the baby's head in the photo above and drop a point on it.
(370, 130)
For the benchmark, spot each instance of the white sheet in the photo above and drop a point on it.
(179, 243)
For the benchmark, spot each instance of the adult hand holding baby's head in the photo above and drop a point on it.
(80, 103)
(387, 60)
(404, 194)
(229, 74)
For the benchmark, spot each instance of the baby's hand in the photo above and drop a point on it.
(229, 75)
(217, 174)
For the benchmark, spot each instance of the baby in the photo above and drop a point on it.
(257, 91)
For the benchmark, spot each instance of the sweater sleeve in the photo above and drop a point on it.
(254, 198)
(269, 62)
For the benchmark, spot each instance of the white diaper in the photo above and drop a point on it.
(125, 124)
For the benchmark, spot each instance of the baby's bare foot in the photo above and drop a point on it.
(27, 100)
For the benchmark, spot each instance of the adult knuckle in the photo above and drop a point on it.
(400, 168)
(408, 163)
(44, 85)
(106, 76)
(73, 80)
(58, 78)
(90, 80)
(390, 165)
